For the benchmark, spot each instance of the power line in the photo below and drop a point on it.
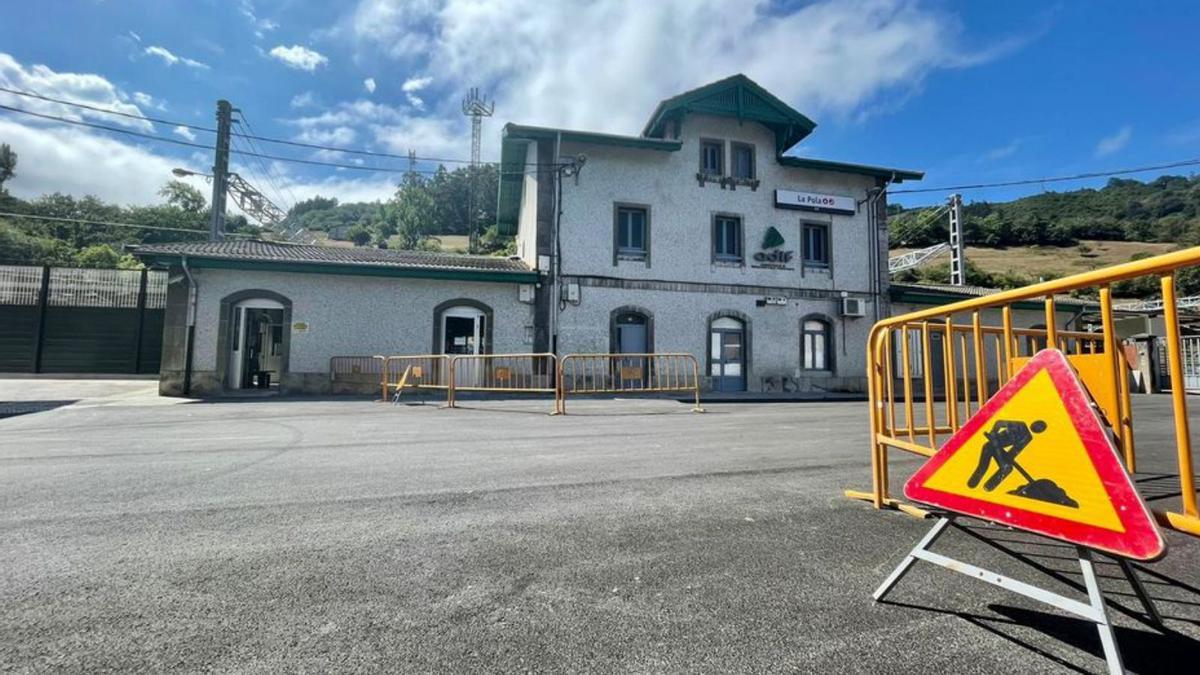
(81, 221)
(266, 172)
(243, 121)
(190, 144)
(250, 135)
(106, 111)
(1054, 179)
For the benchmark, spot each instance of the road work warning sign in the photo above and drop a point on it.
(1037, 457)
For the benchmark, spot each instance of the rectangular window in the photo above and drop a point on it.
(816, 245)
(712, 158)
(632, 232)
(727, 238)
(743, 161)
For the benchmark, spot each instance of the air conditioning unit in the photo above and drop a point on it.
(853, 307)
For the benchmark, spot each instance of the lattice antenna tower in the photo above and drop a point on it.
(475, 107)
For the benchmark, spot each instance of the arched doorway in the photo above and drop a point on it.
(463, 327)
(256, 344)
(727, 354)
(253, 340)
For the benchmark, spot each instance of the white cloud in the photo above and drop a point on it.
(369, 85)
(300, 58)
(184, 132)
(81, 87)
(135, 36)
(413, 85)
(332, 136)
(304, 100)
(74, 161)
(171, 59)
(1110, 144)
(389, 126)
(1002, 151)
(144, 99)
(260, 25)
(824, 57)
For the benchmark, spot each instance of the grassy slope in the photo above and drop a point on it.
(1036, 261)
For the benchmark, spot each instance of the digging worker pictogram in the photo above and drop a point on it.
(1006, 440)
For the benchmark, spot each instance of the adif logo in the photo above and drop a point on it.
(771, 256)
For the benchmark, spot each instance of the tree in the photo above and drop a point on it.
(359, 234)
(183, 196)
(8, 164)
(411, 211)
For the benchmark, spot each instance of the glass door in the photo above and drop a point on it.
(727, 357)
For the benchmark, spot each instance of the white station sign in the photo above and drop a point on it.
(812, 201)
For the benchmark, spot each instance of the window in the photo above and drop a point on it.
(632, 232)
(743, 161)
(816, 245)
(727, 238)
(712, 158)
(814, 344)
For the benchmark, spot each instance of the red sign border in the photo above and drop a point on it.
(1128, 504)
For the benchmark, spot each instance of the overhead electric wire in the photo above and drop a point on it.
(243, 121)
(81, 221)
(1054, 179)
(265, 176)
(106, 111)
(251, 135)
(190, 144)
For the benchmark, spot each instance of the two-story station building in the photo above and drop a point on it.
(701, 235)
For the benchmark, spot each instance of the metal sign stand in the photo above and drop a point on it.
(1093, 610)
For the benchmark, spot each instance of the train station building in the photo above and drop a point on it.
(698, 235)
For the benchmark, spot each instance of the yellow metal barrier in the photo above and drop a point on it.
(627, 374)
(424, 371)
(354, 374)
(987, 356)
(512, 373)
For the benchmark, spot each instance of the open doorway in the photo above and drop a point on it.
(257, 350)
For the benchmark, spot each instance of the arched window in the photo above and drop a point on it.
(816, 344)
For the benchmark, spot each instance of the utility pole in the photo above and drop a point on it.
(220, 171)
(412, 160)
(958, 258)
(476, 108)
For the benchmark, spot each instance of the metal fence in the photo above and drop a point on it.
(502, 373)
(355, 374)
(423, 371)
(627, 374)
(71, 320)
(898, 423)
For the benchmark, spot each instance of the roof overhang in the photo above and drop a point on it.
(738, 97)
(882, 172)
(157, 259)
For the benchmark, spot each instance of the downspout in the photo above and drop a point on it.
(193, 294)
(555, 288)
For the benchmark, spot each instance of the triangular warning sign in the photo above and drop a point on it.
(1036, 457)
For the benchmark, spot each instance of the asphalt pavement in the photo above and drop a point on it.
(628, 536)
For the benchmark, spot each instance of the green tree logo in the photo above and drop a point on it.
(772, 239)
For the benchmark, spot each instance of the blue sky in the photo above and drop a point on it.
(969, 92)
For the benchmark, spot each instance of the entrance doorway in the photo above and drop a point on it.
(632, 338)
(727, 357)
(256, 353)
(463, 331)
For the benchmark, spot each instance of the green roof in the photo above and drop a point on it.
(895, 175)
(738, 97)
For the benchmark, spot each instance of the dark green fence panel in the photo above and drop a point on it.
(89, 340)
(152, 335)
(18, 338)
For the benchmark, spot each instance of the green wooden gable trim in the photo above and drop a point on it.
(738, 97)
(895, 175)
(347, 270)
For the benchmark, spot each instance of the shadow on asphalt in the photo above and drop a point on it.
(14, 408)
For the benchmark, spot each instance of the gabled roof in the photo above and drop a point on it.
(894, 175)
(741, 98)
(273, 256)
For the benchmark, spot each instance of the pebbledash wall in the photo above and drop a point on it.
(348, 315)
(678, 285)
(681, 286)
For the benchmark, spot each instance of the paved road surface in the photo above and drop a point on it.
(633, 536)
